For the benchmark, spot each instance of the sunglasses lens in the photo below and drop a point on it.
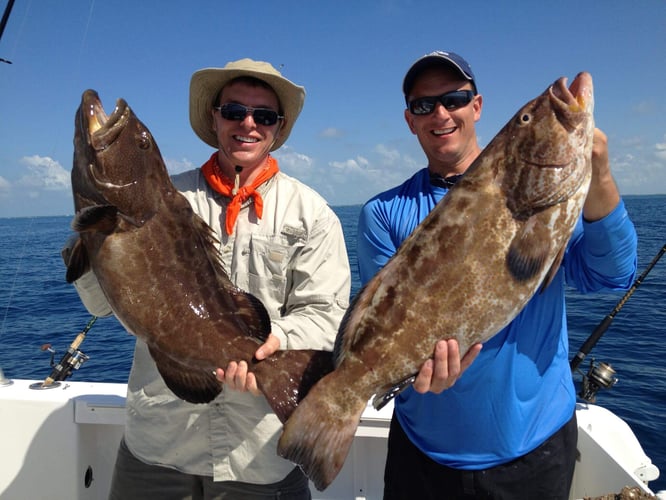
(238, 112)
(265, 116)
(450, 100)
(422, 106)
(455, 100)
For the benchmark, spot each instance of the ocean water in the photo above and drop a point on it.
(38, 308)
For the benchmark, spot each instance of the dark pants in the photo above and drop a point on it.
(544, 473)
(136, 480)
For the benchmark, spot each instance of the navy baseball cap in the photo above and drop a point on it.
(438, 57)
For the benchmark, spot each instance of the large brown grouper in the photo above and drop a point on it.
(483, 251)
(158, 265)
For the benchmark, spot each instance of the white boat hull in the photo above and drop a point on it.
(61, 443)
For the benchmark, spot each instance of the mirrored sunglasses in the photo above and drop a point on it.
(237, 112)
(450, 100)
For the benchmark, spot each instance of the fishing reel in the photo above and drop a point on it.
(598, 377)
(70, 361)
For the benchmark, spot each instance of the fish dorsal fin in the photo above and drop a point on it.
(101, 218)
(348, 332)
(211, 245)
(78, 263)
(345, 337)
(194, 384)
(250, 309)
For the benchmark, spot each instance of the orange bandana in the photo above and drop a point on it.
(225, 186)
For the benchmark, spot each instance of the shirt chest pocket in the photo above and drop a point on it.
(269, 262)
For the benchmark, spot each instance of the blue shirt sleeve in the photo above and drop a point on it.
(374, 244)
(602, 255)
(389, 218)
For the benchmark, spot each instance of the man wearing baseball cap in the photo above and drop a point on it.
(279, 241)
(500, 422)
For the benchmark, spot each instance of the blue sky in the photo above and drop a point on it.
(351, 140)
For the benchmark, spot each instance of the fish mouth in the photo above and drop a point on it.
(583, 90)
(96, 131)
(100, 129)
(578, 98)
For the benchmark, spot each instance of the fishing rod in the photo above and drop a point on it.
(70, 361)
(605, 323)
(601, 376)
(3, 23)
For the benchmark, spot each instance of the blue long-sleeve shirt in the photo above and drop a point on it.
(519, 390)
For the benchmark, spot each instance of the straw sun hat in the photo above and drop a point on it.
(207, 83)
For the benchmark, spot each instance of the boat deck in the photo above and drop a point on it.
(63, 443)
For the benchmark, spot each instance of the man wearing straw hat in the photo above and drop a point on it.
(279, 241)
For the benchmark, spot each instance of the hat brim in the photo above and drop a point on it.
(207, 83)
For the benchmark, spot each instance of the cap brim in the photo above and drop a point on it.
(430, 61)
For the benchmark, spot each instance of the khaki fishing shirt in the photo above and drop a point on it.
(294, 260)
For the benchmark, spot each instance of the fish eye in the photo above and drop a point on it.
(526, 118)
(144, 141)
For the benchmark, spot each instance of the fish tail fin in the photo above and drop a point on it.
(287, 376)
(319, 433)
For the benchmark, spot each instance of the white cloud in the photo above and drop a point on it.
(644, 107)
(352, 165)
(178, 166)
(357, 179)
(391, 156)
(4, 184)
(331, 132)
(639, 169)
(44, 173)
(296, 164)
(633, 142)
(660, 150)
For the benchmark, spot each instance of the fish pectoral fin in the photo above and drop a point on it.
(79, 263)
(528, 250)
(192, 384)
(252, 312)
(101, 218)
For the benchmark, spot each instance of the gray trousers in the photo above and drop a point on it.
(136, 480)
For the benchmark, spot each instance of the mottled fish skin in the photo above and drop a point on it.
(486, 248)
(158, 265)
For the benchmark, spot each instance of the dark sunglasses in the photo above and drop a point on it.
(450, 100)
(237, 112)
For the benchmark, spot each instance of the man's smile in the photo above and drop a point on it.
(245, 139)
(445, 131)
